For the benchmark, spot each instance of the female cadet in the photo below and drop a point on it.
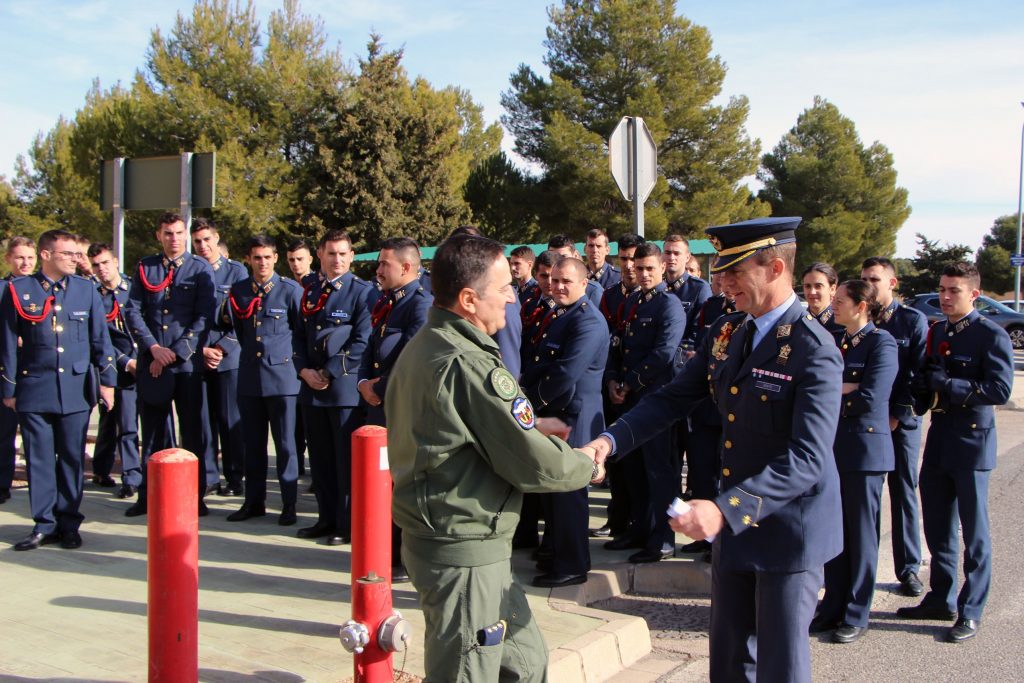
(819, 282)
(864, 453)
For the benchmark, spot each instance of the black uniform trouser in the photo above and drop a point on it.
(277, 412)
(566, 516)
(329, 439)
(8, 432)
(158, 432)
(654, 473)
(906, 515)
(226, 427)
(118, 436)
(703, 460)
(55, 483)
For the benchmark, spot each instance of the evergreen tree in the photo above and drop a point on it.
(929, 261)
(845, 192)
(613, 58)
(993, 261)
(500, 197)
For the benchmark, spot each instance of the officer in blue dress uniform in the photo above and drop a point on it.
(864, 454)
(331, 341)
(118, 434)
(819, 281)
(691, 291)
(49, 381)
(520, 262)
(598, 269)
(562, 245)
(220, 373)
(909, 327)
(563, 379)
(641, 362)
(170, 308)
(613, 308)
(300, 263)
(777, 519)
(968, 370)
(21, 259)
(264, 311)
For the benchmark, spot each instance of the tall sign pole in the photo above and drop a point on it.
(185, 200)
(633, 158)
(118, 210)
(1020, 196)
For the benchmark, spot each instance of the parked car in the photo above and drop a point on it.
(1004, 316)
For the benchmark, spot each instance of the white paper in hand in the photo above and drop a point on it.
(678, 508)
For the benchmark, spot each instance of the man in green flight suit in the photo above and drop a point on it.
(464, 444)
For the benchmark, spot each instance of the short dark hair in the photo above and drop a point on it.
(879, 261)
(786, 252)
(825, 269)
(646, 249)
(299, 243)
(258, 241)
(97, 248)
(19, 241)
(50, 237)
(964, 269)
(676, 237)
(546, 259)
(465, 230)
(335, 235)
(862, 291)
(461, 262)
(630, 240)
(404, 247)
(168, 217)
(204, 224)
(594, 233)
(524, 252)
(561, 242)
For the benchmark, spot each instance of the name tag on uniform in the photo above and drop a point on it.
(339, 314)
(277, 310)
(645, 320)
(856, 365)
(80, 313)
(964, 359)
(768, 386)
(553, 346)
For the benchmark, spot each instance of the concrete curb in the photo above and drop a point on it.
(621, 641)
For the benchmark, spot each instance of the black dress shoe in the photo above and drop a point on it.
(230, 490)
(203, 510)
(335, 539)
(911, 586)
(69, 540)
(695, 547)
(287, 517)
(137, 509)
(848, 634)
(104, 480)
(36, 539)
(399, 575)
(316, 531)
(603, 532)
(247, 511)
(963, 629)
(821, 624)
(5, 495)
(926, 611)
(650, 556)
(624, 543)
(556, 580)
(126, 491)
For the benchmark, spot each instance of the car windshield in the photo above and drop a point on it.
(984, 304)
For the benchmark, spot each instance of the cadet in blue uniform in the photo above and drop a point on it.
(220, 373)
(563, 380)
(397, 316)
(520, 262)
(969, 369)
(613, 308)
(638, 364)
(60, 320)
(819, 283)
(331, 342)
(909, 327)
(118, 433)
(21, 259)
(863, 450)
(777, 519)
(300, 263)
(169, 311)
(264, 311)
(598, 268)
(562, 245)
(691, 291)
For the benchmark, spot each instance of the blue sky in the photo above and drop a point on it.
(939, 83)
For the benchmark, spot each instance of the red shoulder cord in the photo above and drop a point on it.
(112, 316)
(928, 339)
(167, 281)
(28, 316)
(543, 327)
(308, 310)
(247, 312)
(381, 311)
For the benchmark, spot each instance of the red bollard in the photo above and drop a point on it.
(375, 630)
(173, 566)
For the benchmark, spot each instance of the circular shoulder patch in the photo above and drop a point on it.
(523, 413)
(504, 384)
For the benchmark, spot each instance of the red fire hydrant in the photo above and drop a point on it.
(172, 549)
(375, 630)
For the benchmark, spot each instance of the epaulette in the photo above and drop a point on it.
(288, 282)
(817, 330)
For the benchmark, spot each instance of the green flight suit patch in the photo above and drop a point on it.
(504, 384)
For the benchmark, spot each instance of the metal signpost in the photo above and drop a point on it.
(633, 158)
(186, 181)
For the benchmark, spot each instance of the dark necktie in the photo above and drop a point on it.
(749, 330)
